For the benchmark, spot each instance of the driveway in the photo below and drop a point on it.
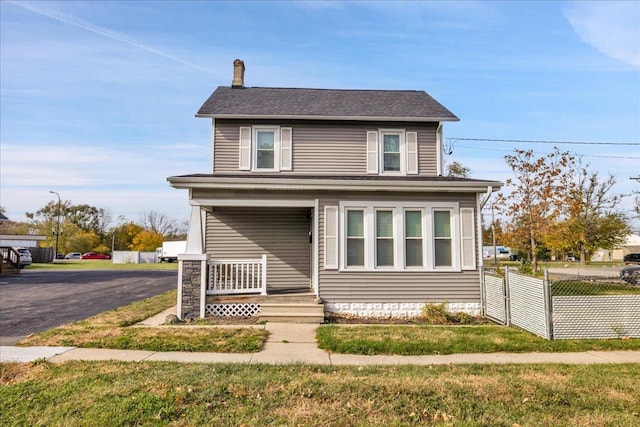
(35, 301)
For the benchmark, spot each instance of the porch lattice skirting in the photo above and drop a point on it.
(399, 309)
(233, 310)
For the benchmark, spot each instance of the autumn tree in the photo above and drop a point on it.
(147, 240)
(457, 169)
(538, 191)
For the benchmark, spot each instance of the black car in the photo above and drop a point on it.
(631, 274)
(632, 259)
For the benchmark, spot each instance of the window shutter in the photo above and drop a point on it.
(372, 152)
(412, 153)
(467, 237)
(330, 237)
(244, 155)
(286, 149)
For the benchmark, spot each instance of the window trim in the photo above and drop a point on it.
(398, 209)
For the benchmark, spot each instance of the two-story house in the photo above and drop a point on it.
(335, 193)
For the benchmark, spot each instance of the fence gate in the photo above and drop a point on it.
(494, 298)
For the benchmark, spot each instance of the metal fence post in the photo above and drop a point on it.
(507, 297)
(548, 303)
(482, 292)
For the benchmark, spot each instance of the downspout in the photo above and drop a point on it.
(482, 200)
(486, 197)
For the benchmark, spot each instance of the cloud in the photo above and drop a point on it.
(612, 27)
(76, 22)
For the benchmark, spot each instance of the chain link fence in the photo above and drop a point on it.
(561, 306)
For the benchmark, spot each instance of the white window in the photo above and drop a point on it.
(384, 239)
(355, 238)
(442, 243)
(404, 236)
(265, 148)
(413, 238)
(392, 152)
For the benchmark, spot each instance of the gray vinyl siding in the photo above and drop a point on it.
(247, 233)
(401, 286)
(282, 234)
(325, 149)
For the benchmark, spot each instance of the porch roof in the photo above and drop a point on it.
(334, 183)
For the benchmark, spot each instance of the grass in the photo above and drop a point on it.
(112, 329)
(429, 340)
(159, 393)
(575, 287)
(95, 264)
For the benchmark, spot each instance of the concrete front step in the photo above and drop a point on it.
(292, 312)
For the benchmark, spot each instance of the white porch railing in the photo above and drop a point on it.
(237, 276)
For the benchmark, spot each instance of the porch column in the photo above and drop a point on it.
(192, 270)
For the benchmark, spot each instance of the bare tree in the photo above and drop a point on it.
(160, 223)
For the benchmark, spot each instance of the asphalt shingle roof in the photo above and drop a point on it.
(246, 102)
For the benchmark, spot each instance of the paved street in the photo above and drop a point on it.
(35, 301)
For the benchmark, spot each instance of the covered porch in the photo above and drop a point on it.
(242, 255)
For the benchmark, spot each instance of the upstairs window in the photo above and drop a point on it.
(265, 148)
(392, 152)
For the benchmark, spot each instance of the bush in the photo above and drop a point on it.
(435, 314)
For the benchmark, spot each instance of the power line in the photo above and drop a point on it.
(504, 150)
(529, 141)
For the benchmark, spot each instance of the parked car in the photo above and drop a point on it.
(631, 274)
(73, 255)
(632, 259)
(95, 255)
(25, 257)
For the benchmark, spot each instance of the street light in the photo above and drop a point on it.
(55, 256)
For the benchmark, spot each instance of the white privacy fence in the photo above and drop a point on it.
(237, 276)
(134, 257)
(563, 308)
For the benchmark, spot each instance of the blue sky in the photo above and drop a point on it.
(97, 99)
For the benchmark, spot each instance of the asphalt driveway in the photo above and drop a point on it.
(35, 301)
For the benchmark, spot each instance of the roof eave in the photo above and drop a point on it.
(293, 184)
(341, 118)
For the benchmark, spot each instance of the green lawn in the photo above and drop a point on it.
(426, 340)
(163, 394)
(113, 329)
(99, 264)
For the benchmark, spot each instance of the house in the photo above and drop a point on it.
(334, 193)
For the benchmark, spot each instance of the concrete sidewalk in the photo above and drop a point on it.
(296, 343)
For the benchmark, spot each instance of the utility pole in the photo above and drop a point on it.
(493, 232)
(55, 256)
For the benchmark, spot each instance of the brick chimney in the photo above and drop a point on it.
(238, 73)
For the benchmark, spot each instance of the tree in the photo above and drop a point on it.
(82, 227)
(457, 169)
(161, 224)
(592, 220)
(539, 190)
(147, 241)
